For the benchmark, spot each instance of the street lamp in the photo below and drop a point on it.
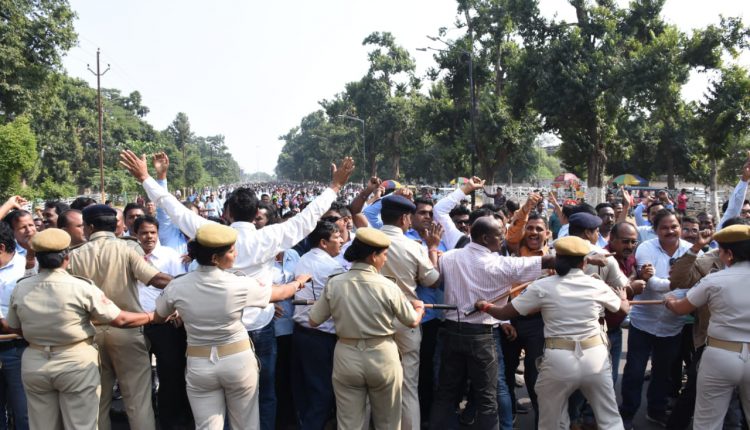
(364, 153)
(469, 58)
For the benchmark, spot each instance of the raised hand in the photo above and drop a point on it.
(341, 173)
(160, 161)
(703, 239)
(432, 235)
(474, 183)
(135, 165)
(374, 184)
(404, 192)
(532, 201)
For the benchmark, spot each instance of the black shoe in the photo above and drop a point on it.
(659, 418)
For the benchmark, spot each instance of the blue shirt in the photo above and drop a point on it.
(428, 295)
(9, 275)
(657, 319)
(169, 235)
(372, 213)
(283, 272)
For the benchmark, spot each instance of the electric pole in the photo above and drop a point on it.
(99, 107)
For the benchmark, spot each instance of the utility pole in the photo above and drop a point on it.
(99, 107)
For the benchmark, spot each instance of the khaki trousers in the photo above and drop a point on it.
(123, 353)
(561, 373)
(409, 341)
(228, 384)
(361, 372)
(719, 372)
(62, 388)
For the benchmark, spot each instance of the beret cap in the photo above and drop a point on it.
(400, 203)
(572, 246)
(373, 237)
(215, 235)
(733, 233)
(50, 240)
(96, 211)
(584, 220)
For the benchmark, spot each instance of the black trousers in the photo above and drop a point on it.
(168, 344)
(427, 368)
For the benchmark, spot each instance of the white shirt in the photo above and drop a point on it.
(168, 261)
(321, 266)
(725, 292)
(474, 272)
(654, 319)
(256, 249)
(9, 275)
(441, 211)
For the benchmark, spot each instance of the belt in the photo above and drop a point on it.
(369, 343)
(221, 350)
(570, 345)
(726, 345)
(60, 348)
(15, 343)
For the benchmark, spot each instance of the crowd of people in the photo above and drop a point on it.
(301, 305)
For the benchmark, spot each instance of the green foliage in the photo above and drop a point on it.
(18, 154)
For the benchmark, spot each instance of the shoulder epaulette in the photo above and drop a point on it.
(390, 278)
(179, 276)
(237, 273)
(77, 246)
(25, 277)
(129, 238)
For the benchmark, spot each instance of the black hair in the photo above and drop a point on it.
(660, 215)
(103, 223)
(204, 254)
(577, 230)
(534, 215)
(146, 219)
(657, 203)
(218, 220)
(736, 221)
(323, 230)
(391, 215)
(132, 206)
(583, 208)
(81, 202)
(604, 205)
(567, 210)
(459, 210)
(511, 206)
(479, 213)
(59, 206)
(615, 232)
(7, 237)
(359, 250)
(564, 263)
(423, 201)
(243, 205)
(271, 212)
(62, 219)
(490, 206)
(51, 260)
(12, 217)
(740, 250)
(689, 219)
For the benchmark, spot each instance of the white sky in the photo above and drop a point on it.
(250, 70)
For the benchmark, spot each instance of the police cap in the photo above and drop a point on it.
(215, 235)
(399, 203)
(584, 220)
(96, 211)
(373, 237)
(572, 246)
(50, 240)
(732, 234)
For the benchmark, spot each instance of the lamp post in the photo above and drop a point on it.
(469, 58)
(364, 153)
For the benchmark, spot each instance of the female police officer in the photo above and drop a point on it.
(54, 309)
(363, 305)
(725, 364)
(576, 354)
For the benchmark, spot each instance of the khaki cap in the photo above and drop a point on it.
(50, 240)
(572, 246)
(733, 233)
(373, 237)
(216, 235)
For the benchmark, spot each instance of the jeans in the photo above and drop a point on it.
(12, 394)
(530, 338)
(312, 373)
(469, 351)
(168, 344)
(427, 365)
(663, 352)
(264, 342)
(615, 351)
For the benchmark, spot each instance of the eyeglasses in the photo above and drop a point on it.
(745, 211)
(461, 222)
(332, 219)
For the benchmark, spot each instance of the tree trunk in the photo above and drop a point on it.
(596, 162)
(714, 198)
(670, 166)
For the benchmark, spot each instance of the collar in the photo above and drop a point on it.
(102, 235)
(363, 267)
(11, 262)
(387, 228)
(202, 268)
(243, 225)
(478, 247)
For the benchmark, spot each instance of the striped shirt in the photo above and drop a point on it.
(475, 273)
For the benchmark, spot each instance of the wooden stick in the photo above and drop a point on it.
(501, 296)
(9, 336)
(307, 302)
(646, 302)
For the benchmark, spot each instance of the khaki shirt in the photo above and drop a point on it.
(114, 266)
(210, 302)
(363, 304)
(687, 271)
(610, 273)
(570, 304)
(725, 293)
(408, 262)
(54, 308)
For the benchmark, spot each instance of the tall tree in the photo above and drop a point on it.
(182, 137)
(18, 154)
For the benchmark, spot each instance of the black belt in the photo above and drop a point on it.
(467, 328)
(15, 343)
(300, 328)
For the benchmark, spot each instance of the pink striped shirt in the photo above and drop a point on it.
(474, 272)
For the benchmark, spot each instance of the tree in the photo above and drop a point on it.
(182, 137)
(34, 36)
(18, 155)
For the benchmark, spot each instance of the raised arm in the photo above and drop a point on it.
(443, 207)
(737, 199)
(13, 203)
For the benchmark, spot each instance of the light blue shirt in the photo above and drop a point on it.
(736, 201)
(283, 272)
(372, 213)
(645, 232)
(425, 294)
(321, 266)
(657, 319)
(9, 275)
(638, 215)
(169, 235)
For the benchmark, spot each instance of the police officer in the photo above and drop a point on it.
(115, 266)
(222, 372)
(725, 364)
(54, 311)
(364, 305)
(576, 355)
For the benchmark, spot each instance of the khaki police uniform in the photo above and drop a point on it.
(222, 372)
(408, 265)
(115, 267)
(725, 364)
(60, 368)
(576, 354)
(363, 305)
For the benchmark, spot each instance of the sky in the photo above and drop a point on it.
(250, 70)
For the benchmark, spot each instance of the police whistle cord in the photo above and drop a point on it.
(501, 296)
(307, 302)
